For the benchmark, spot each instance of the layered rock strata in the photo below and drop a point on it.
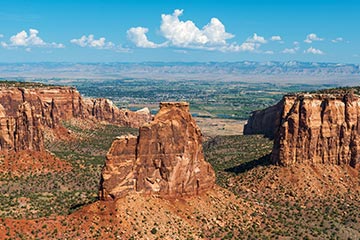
(25, 111)
(319, 128)
(166, 158)
(23, 131)
(264, 121)
(313, 128)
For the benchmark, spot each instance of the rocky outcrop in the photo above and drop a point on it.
(28, 133)
(50, 103)
(22, 132)
(166, 158)
(24, 112)
(105, 110)
(264, 121)
(318, 128)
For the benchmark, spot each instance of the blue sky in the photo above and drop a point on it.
(179, 30)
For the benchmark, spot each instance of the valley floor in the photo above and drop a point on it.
(252, 200)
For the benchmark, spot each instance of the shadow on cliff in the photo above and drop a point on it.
(244, 167)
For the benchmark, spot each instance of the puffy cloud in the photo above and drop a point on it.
(290, 50)
(312, 37)
(138, 36)
(90, 41)
(244, 47)
(337, 40)
(256, 39)
(31, 39)
(275, 38)
(252, 44)
(215, 32)
(247, 46)
(314, 51)
(180, 33)
(186, 33)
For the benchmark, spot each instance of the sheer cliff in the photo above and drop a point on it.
(313, 128)
(166, 158)
(24, 112)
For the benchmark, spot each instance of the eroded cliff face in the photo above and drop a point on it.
(264, 121)
(24, 112)
(23, 131)
(318, 128)
(104, 110)
(166, 158)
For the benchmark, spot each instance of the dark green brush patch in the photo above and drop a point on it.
(340, 90)
(7, 83)
(231, 155)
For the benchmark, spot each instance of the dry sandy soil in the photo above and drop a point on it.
(211, 127)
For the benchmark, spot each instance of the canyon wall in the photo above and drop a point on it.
(166, 158)
(264, 121)
(24, 112)
(314, 128)
(319, 128)
(23, 131)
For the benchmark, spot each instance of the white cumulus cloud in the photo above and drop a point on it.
(138, 36)
(275, 38)
(256, 39)
(244, 47)
(314, 51)
(290, 50)
(90, 41)
(28, 40)
(183, 34)
(186, 33)
(252, 44)
(312, 37)
(337, 40)
(215, 32)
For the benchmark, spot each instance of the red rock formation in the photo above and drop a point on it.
(25, 111)
(105, 110)
(50, 103)
(118, 175)
(28, 133)
(24, 131)
(264, 121)
(166, 158)
(318, 128)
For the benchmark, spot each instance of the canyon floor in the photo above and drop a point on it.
(252, 200)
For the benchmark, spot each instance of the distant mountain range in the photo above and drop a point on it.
(245, 70)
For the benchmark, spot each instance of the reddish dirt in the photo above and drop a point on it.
(143, 217)
(31, 162)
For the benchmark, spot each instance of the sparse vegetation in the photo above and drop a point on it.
(208, 98)
(257, 200)
(40, 194)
